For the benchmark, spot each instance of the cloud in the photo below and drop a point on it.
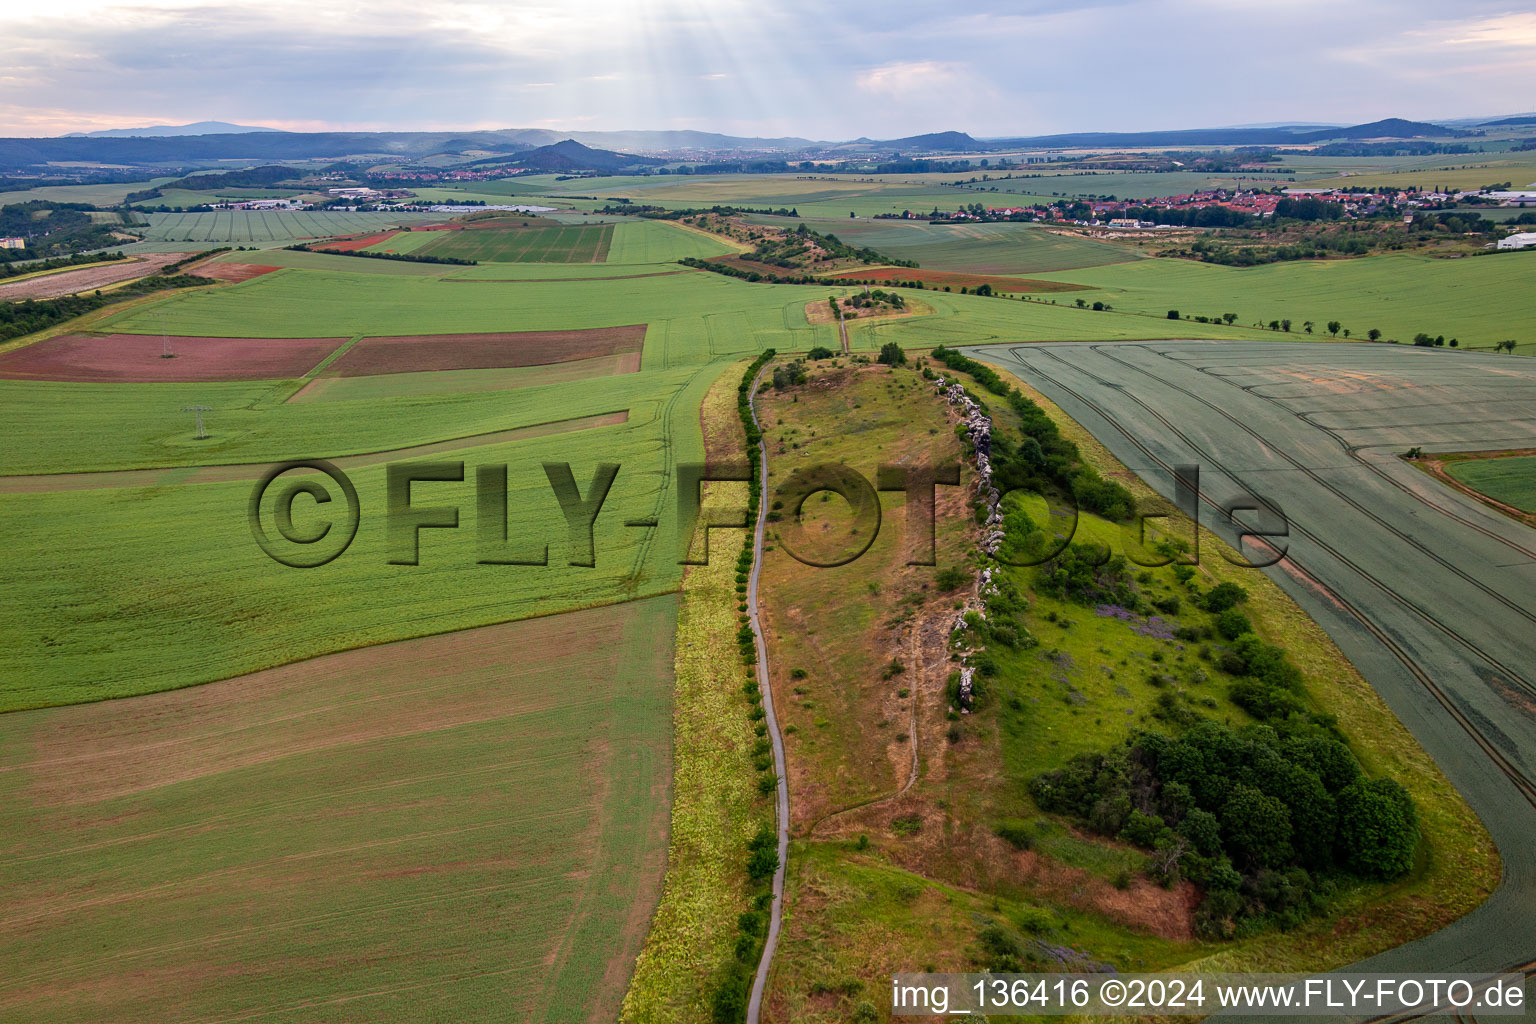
(902, 79)
(795, 67)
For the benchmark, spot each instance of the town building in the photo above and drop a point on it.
(13, 243)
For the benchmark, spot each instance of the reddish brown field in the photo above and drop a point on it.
(956, 280)
(138, 359)
(422, 353)
(356, 242)
(233, 272)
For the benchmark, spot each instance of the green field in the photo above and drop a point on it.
(101, 195)
(441, 829)
(575, 244)
(1510, 480)
(1479, 300)
(245, 227)
(979, 248)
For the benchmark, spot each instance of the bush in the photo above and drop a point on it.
(1378, 829)
(952, 578)
(1233, 624)
(1017, 833)
(1223, 596)
(891, 354)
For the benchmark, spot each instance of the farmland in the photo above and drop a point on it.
(443, 825)
(981, 248)
(1478, 299)
(1507, 478)
(538, 244)
(265, 227)
(278, 692)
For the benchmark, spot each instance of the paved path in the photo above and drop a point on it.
(776, 916)
(1430, 594)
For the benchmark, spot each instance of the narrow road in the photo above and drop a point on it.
(776, 915)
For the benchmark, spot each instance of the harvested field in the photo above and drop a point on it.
(459, 382)
(84, 279)
(421, 353)
(442, 825)
(139, 358)
(956, 280)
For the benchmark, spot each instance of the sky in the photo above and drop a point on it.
(771, 68)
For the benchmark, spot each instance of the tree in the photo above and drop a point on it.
(1285, 325)
(1307, 326)
(892, 355)
(1423, 340)
(1377, 828)
(1229, 317)
(1333, 328)
(1346, 332)
(1173, 314)
(1256, 826)
(820, 352)
(1274, 325)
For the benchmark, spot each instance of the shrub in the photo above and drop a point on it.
(1378, 829)
(1233, 624)
(891, 354)
(1018, 834)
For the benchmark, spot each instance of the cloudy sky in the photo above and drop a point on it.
(757, 67)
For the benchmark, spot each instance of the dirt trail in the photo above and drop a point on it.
(781, 799)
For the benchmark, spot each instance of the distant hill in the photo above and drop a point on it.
(948, 142)
(1390, 128)
(571, 155)
(1523, 119)
(172, 130)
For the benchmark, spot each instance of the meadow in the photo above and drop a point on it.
(441, 826)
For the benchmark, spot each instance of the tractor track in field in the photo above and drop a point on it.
(1522, 782)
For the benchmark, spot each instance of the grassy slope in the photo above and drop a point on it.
(852, 918)
(716, 806)
(445, 827)
(1479, 300)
